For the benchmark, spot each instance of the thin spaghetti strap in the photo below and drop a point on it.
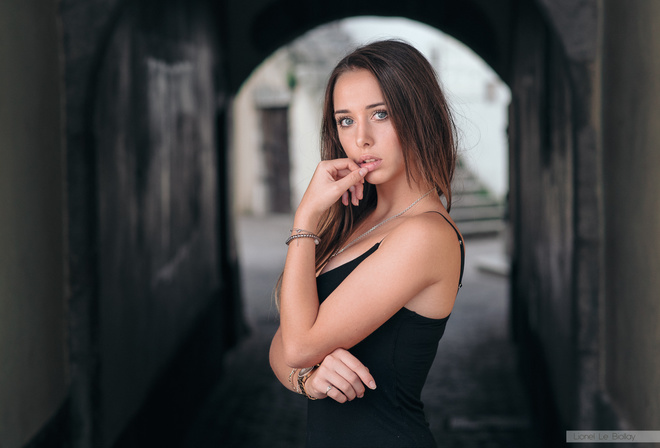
(460, 243)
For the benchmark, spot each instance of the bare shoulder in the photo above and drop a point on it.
(427, 250)
(428, 241)
(429, 229)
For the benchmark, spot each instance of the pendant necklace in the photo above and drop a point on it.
(380, 224)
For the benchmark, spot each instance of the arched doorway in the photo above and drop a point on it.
(459, 396)
(534, 47)
(539, 50)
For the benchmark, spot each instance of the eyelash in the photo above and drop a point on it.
(341, 119)
(382, 112)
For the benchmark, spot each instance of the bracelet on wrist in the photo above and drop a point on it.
(316, 239)
(303, 376)
(293, 385)
(297, 230)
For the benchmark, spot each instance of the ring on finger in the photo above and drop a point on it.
(328, 390)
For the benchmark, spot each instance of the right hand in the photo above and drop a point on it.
(345, 373)
(333, 180)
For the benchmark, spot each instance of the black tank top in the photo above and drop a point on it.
(399, 355)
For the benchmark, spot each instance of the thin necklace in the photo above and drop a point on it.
(381, 223)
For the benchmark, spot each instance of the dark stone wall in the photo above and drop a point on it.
(541, 135)
(155, 145)
(152, 269)
(631, 141)
(557, 208)
(34, 377)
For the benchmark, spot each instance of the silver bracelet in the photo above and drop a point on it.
(317, 240)
(297, 230)
(293, 385)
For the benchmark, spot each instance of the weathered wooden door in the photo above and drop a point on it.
(275, 146)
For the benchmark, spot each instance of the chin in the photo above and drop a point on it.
(373, 178)
(379, 178)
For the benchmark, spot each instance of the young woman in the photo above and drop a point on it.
(374, 261)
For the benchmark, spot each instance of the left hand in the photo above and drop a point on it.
(341, 376)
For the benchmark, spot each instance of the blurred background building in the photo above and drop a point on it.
(294, 78)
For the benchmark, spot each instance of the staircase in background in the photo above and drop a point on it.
(474, 209)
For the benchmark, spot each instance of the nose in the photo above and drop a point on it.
(364, 138)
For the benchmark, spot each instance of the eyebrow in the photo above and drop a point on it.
(371, 106)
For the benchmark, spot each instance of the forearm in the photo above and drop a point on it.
(286, 374)
(299, 303)
(333, 180)
(346, 375)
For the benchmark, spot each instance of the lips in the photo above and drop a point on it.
(369, 162)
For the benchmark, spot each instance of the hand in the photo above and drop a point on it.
(333, 180)
(345, 373)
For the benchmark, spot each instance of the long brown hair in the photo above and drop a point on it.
(420, 116)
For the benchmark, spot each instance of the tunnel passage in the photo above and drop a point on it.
(545, 53)
(150, 257)
(175, 65)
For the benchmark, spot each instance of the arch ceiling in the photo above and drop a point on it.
(483, 25)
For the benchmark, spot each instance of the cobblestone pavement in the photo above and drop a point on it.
(473, 396)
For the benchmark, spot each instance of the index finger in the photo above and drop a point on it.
(343, 165)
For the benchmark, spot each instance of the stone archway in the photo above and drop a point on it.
(584, 91)
(547, 53)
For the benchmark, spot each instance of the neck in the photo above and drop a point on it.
(384, 220)
(392, 200)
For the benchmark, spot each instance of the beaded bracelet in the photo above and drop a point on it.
(304, 380)
(293, 386)
(303, 376)
(317, 240)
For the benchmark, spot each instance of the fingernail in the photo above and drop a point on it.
(372, 385)
(362, 171)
